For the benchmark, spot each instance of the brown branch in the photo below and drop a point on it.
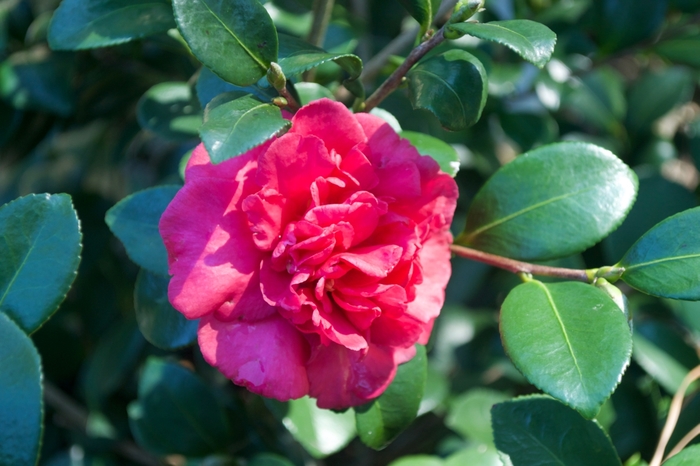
(674, 412)
(515, 266)
(397, 76)
(75, 416)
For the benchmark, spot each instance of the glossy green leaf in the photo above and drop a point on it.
(298, 56)
(439, 150)
(21, 405)
(533, 41)
(554, 201)
(86, 24)
(597, 100)
(236, 39)
(308, 92)
(170, 110)
(452, 85)
(540, 430)
(112, 362)
(40, 250)
(134, 220)
(655, 94)
(418, 460)
(176, 412)
(422, 11)
(470, 414)
(34, 80)
(321, 432)
(581, 345)
(210, 85)
(381, 420)
(303, 60)
(666, 260)
(234, 124)
(686, 457)
(159, 322)
(621, 23)
(475, 455)
(681, 50)
(660, 365)
(657, 199)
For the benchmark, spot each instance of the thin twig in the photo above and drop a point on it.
(322, 10)
(674, 413)
(514, 266)
(404, 40)
(76, 417)
(398, 75)
(684, 441)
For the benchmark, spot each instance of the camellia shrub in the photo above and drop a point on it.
(353, 232)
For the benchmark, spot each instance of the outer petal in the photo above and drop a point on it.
(339, 377)
(386, 147)
(268, 357)
(292, 163)
(330, 121)
(434, 258)
(211, 254)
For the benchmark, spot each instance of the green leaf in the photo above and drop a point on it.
(21, 405)
(382, 419)
(660, 365)
(540, 430)
(597, 100)
(34, 80)
(321, 432)
(439, 150)
(475, 455)
(40, 250)
(417, 460)
(87, 24)
(621, 23)
(170, 110)
(210, 85)
(554, 201)
(134, 220)
(470, 414)
(666, 260)
(421, 10)
(298, 56)
(686, 457)
(656, 200)
(233, 127)
(681, 50)
(533, 41)
(236, 39)
(581, 346)
(159, 322)
(655, 94)
(452, 85)
(112, 361)
(308, 92)
(176, 412)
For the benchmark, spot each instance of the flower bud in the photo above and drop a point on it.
(275, 76)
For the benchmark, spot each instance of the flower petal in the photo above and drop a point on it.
(211, 254)
(339, 377)
(332, 122)
(268, 357)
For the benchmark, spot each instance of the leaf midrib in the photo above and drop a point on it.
(21, 266)
(659, 261)
(563, 329)
(435, 76)
(507, 218)
(243, 46)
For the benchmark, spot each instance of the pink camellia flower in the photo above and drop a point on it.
(314, 261)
